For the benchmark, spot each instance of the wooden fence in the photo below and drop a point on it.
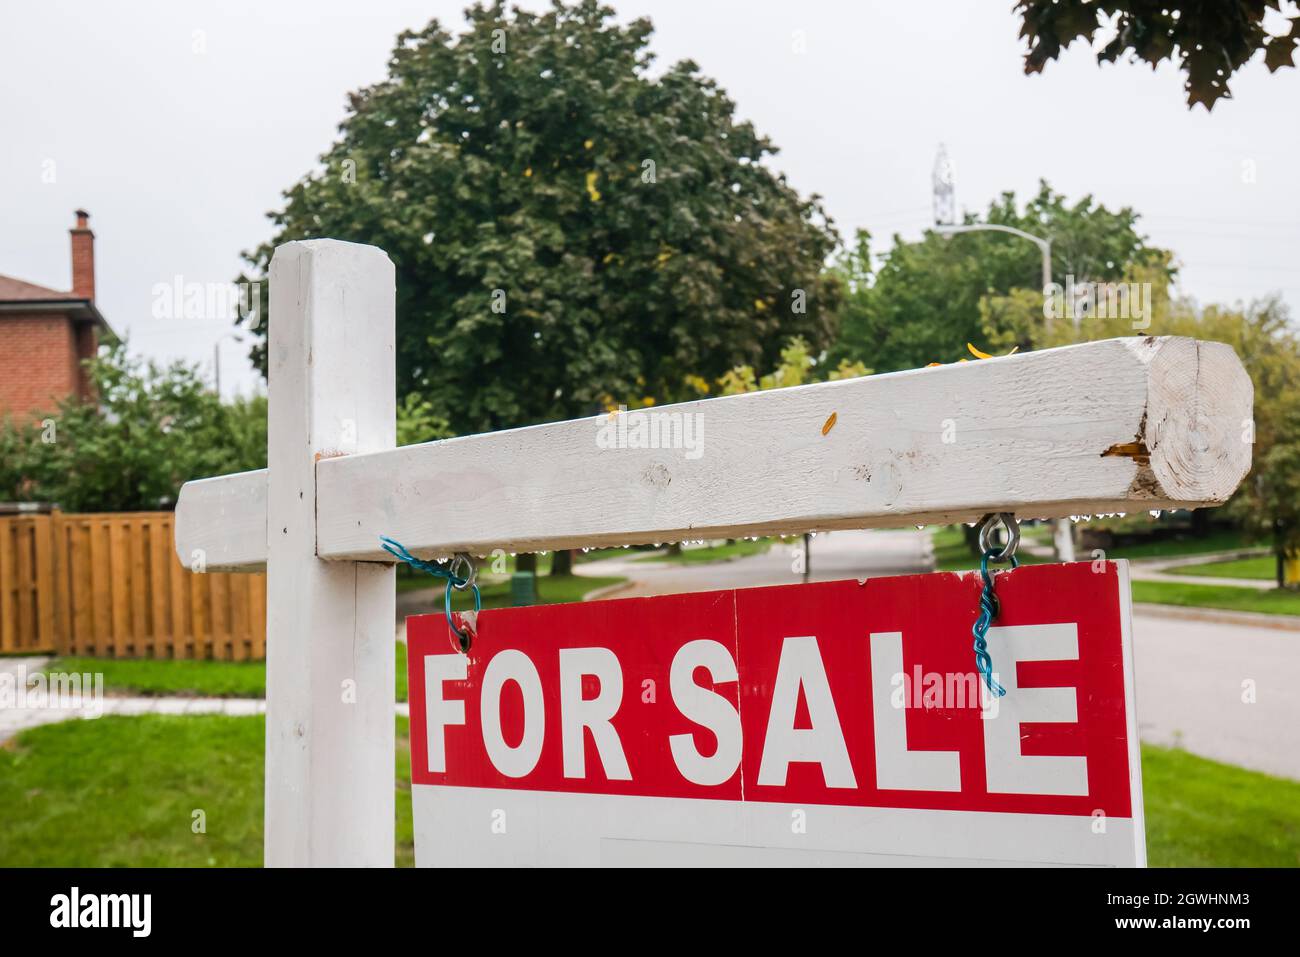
(110, 585)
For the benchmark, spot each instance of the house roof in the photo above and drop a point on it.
(17, 290)
(18, 295)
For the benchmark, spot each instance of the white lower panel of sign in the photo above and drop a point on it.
(485, 827)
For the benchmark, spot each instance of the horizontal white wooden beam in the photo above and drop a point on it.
(1112, 426)
(221, 523)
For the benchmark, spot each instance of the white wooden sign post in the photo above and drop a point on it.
(1114, 426)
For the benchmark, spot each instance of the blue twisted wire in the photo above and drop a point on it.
(988, 614)
(437, 570)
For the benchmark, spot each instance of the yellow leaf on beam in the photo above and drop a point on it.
(984, 355)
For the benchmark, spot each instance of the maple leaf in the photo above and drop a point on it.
(1278, 52)
(1212, 39)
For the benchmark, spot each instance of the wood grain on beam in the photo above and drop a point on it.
(1111, 426)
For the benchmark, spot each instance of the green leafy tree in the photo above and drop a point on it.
(566, 225)
(244, 425)
(1276, 489)
(417, 421)
(922, 304)
(149, 429)
(797, 367)
(1211, 39)
(1262, 336)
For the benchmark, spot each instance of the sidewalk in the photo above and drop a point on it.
(1155, 570)
(16, 720)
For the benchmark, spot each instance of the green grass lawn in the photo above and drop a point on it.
(599, 554)
(1204, 814)
(164, 676)
(951, 554)
(122, 791)
(715, 553)
(551, 589)
(192, 679)
(409, 578)
(405, 837)
(1219, 540)
(1275, 601)
(1262, 568)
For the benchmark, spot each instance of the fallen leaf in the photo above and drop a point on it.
(830, 423)
(984, 355)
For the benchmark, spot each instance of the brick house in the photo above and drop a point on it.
(45, 334)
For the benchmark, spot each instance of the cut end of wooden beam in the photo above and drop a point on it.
(1198, 427)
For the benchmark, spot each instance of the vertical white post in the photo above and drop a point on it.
(329, 658)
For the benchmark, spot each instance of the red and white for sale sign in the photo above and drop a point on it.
(820, 724)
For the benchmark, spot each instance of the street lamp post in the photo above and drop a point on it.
(216, 358)
(1044, 245)
(945, 215)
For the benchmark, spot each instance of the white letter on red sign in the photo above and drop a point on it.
(707, 709)
(1009, 770)
(438, 711)
(512, 665)
(577, 713)
(801, 666)
(897, 768)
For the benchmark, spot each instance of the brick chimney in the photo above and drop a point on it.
(83, 258)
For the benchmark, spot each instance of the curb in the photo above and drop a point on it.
(1222, 616)
(1204, 558)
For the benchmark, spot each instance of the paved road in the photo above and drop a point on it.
(1190, 678)
(834, 555)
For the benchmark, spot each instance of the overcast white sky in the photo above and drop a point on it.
(178, 155)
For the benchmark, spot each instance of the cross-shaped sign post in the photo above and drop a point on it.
(1121, 425)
